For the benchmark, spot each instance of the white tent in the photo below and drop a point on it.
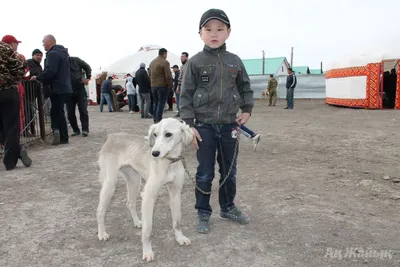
(374, 51)
(130, 64)
(355, 79)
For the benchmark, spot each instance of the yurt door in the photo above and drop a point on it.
(390, 84)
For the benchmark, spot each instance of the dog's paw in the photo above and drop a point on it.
(137, 224)
(148, 255)
(183, 240)
(103, 236)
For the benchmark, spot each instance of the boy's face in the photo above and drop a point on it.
(214, 33)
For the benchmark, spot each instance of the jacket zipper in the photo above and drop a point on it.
(220, 98)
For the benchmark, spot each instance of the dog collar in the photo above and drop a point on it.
(173, 160)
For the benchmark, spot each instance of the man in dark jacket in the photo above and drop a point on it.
(176, 70)
(143, 81)
(291, 82)
(106, 88)
(34, 63)
(57, 75)
(79, 95)
(32, 90)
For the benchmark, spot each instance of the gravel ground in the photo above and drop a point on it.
(322, 189)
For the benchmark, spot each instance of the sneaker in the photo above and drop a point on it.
(26, 160)
(256, 140)
(56, 137)
(85, 133)
(202, 223)
(235, 215)
(130, 112)
(75, 133)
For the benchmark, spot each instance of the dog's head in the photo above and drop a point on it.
(168, 137)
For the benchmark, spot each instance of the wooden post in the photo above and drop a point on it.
(291, 58)
(263, 62)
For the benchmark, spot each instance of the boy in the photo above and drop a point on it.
(215, 86)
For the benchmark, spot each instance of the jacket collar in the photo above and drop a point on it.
(214, 51)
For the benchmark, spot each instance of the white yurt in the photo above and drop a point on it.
(356, 79)
(130, 64)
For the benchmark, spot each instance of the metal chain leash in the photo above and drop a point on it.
(234, 158)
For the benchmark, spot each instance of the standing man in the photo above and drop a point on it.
(161, 82)
(12, 70)
(291, 82)
(34, 63)
(272, 86)
(57, 75)
(176, 71)
(106, 88)
(184, 59)
(143, 81)
(79, 95)
(31, 91)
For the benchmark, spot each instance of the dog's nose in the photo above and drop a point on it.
(155, 154)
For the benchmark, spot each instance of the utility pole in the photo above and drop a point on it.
(321, 68)
(291, 58)
(263, 62)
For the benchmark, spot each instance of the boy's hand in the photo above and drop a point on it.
(196, 137)
(243, 118)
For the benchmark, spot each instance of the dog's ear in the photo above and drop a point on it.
(187, 134)
(151, 137)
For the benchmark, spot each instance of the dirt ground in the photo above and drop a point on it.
(323, 182)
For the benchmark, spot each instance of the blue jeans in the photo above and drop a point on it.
(290, 97)
(177, 102)
(220, 139)
(160, 95)
(132, 102)
(246, 131)
(105, 97)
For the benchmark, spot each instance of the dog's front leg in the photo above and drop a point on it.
(149, 195)
(174, 191)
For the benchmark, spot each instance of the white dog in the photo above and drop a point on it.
(158, 164)
(264, 94)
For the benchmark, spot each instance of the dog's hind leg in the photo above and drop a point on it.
(106, 193)
(133, 181)
(174, 191)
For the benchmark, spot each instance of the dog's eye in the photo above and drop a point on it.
(168, 134)
(155, 135)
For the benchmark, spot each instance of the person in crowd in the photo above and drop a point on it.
(12, 71)
(81, 74)
(57, 75)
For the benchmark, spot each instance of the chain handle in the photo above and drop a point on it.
(234, 158)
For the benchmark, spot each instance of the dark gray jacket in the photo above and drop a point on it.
(215, 85)
(76, 66)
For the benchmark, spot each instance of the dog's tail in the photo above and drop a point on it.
(104, 159)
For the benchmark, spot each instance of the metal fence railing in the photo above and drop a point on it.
(36, 113)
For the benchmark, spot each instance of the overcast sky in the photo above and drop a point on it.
(103, 31)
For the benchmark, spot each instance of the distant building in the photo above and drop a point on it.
(301, 70)
(276, 66)
(316, 71)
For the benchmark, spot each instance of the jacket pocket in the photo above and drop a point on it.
(236, 98)
(200, 101)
